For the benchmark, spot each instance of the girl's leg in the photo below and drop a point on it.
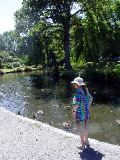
(82, 139)
(80, 127)
(86, 130)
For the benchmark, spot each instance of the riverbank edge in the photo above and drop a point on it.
(7, 71)
(89, 74)
(22, 138)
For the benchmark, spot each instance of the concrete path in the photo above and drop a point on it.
(25, 139)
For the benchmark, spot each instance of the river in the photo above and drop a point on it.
(39, 96)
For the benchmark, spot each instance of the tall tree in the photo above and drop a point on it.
(56, 13)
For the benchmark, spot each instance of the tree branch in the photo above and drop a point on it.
(80, 10)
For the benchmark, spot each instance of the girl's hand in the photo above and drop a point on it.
(74, 111)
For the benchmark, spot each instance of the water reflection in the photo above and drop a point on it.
(33, 93)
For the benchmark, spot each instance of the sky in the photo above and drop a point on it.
(7, 10)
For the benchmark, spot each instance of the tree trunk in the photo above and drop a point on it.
(66, 28)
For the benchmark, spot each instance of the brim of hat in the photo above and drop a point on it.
(74, 82)
(82, 84)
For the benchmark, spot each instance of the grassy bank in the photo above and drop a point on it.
(96, 72)
(16, 70)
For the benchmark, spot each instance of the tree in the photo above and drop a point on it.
(10, 41)
(2, 44)
(53, 12)
(101, 29)
(49, 26)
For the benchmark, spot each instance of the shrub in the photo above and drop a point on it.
(117, 70)
(16, 59)
(28, 69)
(89, 65)
(1, 72)
(4, 55)
(8, 66)
(19, 69)
(39, 67)
(80, 64)
(15, 64)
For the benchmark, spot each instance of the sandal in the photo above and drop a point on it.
(87, 144)
(81, 147)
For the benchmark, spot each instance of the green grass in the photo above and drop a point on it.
(8, 70)
(13, 70)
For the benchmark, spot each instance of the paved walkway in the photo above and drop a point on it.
(25, 139)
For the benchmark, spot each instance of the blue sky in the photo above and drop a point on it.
(7, 10)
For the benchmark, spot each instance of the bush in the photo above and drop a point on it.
(117, 70)
(8, 66)
(16, 59)
(16, 64)
(80, 64)
(89, 65)
(103, 72)
(39, 67)
(1, 72)
(4, 56)
(19, 69)
(28, 69)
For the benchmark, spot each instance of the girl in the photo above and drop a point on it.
(81, 104)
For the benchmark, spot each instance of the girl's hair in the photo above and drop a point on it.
(85, 89)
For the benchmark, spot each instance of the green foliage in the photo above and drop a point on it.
(89, 65)
(7, 66)
(103, 71)
(10, 41)
(11, 60)
(4, 55)
(24, 60)
(27, 69)
(77, 39)
(80, 64)
(2, 44)
(109, 68)
(16, 64)
(1, 72)
(18, 69)
(117, 70)
(39, 67)
(46, 29)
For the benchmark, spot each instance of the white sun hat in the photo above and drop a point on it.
(78, 81)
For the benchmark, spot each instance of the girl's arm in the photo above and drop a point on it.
(75, 104)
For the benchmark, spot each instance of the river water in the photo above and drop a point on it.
(39, 96)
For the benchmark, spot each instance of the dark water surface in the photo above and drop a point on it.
(37, 95)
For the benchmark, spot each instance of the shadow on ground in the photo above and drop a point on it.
(90, 154)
